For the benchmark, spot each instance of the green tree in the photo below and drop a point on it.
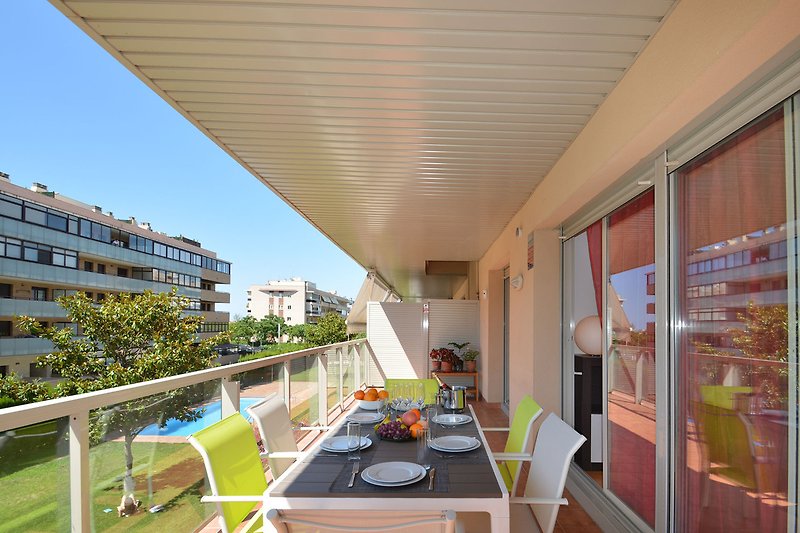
(270, 328)
(128, 339)
(330, 329)
(766, 337)
(297, 332)
(243, 330)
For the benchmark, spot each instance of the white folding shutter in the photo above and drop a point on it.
(394, 331)
(453, 321)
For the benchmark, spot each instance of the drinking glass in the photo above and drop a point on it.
(428, 415)
(420, 396)
(423, 453)
(353, 441)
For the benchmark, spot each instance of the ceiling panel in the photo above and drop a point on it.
(404, 130)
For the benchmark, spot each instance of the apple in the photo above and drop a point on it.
(409, 418)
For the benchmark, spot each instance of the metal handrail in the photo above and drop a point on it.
(33, 413)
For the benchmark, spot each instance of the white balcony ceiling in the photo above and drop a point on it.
(404, 130)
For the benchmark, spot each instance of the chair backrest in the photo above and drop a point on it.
(519, 437)
(275, 426)
(556, 444)
(233, 466)
(431, 386)
(318, 521)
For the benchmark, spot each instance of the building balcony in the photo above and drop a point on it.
(216, 316)
(22, 346)
(215, 277)
(215, 296)
(10, 307)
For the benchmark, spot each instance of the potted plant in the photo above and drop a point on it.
(469, 360)
(436, 362)
(458, 349)
(445, 357)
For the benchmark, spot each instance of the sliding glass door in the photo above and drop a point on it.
(631, 358)
(734, 207)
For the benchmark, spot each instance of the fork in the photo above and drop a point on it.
(353, 474)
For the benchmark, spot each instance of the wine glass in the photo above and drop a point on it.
(420, 395)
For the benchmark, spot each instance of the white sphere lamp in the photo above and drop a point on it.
(589, 335)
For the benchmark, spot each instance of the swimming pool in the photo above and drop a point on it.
(176, 428)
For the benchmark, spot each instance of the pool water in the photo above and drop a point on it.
(176, 428)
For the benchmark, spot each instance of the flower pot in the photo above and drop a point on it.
(447, 367)
(436, 366)
(470, 366)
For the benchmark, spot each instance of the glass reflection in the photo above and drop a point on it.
(733, 380)
(631, 369)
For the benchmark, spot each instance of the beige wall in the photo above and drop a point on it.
(706, 54)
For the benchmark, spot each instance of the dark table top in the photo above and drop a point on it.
(461, 475)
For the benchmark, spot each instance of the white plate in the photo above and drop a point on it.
(452, 419)
(393, 473)
(455, 443)
(339, 444)
(364, 418)
(401, 484)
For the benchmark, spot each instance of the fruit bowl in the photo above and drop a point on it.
(393, 430)
(371, 405)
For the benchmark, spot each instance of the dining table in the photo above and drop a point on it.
(466, 481)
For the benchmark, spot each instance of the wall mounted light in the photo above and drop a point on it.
(517, 281)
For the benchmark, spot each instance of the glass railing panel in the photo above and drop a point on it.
(334, 377)
(257, 384)
(364, 352)
(348, 371)
(34, 477)
(131, 455)
(304, 391)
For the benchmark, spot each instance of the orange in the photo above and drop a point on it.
(358, 395)
(414, 428)
(383, 394)
(417, 413)
(371, 395)
(373, 390)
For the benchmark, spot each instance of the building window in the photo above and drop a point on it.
(101, 269)
(122, 272)
(88, 266)
(101, 296)
(39, 294)
(5, 290)
(5, 328)
(289, 306)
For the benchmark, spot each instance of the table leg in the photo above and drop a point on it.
(500, 524)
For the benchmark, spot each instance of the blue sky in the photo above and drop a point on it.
(74, 119)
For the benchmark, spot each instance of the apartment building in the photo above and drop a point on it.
(52, 246)
(296, 300)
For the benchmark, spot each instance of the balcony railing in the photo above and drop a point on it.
(63, 462)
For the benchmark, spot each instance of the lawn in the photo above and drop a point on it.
(37, 498)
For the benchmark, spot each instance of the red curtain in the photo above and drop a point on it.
(594, 236)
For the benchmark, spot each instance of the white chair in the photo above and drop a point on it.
(277, 434)
(556, 444)
(318, 521)
(519, 436)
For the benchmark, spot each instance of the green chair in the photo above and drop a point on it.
(519, 437)
(431, 387)
(234, 471)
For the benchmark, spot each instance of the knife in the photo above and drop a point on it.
(432, 475)
(353, 475)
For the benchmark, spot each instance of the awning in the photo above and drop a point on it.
(372, 290)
